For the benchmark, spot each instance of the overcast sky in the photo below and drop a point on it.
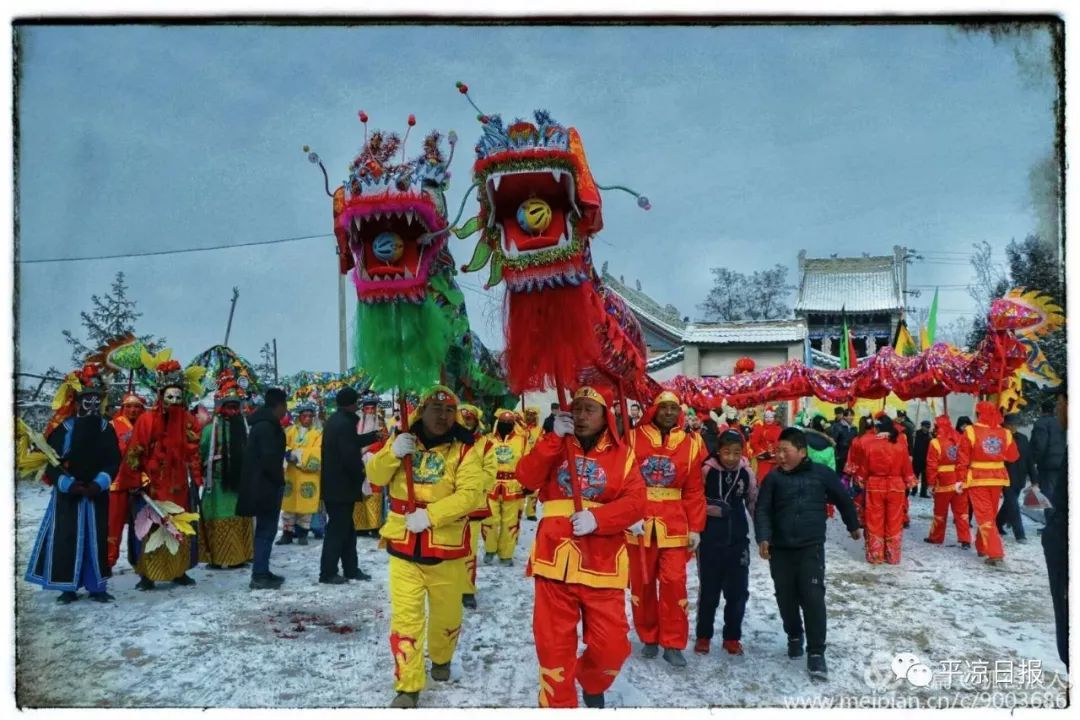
(751, 142)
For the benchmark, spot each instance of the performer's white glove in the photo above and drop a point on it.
(637, 528)
(959, 487)
(418, 521)
(584, 522)
(563, 424)
(366, 489)
(404, 444)
(695, 540)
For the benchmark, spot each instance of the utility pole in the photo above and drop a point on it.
(228, 329)
(275, 362)
(342, 335)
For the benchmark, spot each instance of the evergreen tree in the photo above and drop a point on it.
(112, 315)
(265, 367)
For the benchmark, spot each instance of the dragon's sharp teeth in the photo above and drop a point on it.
(408, 273)
(495, 180)
(557, 174)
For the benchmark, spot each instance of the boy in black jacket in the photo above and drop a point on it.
(724, 553)
(789, 522)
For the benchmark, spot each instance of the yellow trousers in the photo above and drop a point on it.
(475, 531)
(530, 507)
(502, 527)
(411, 584)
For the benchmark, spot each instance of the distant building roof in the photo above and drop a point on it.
(665, 320)
(859, 285)
(666, 360)
(734, 333)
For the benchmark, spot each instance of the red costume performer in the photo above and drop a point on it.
(579, 559)
(984, 449)
(851, 468)
(670, 462)
(941, 478)
(883, 469)
(763, 439)
(161, 457)
(119, 500)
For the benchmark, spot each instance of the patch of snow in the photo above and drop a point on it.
(219, 644)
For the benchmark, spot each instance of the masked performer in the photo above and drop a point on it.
(123, 424)
(303, 453)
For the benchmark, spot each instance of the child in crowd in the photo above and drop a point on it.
(724, 554)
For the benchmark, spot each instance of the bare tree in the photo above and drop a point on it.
(728, 298)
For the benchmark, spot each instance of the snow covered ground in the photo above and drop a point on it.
(310, 645)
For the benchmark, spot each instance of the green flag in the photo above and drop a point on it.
(847, 350)
(929, 332)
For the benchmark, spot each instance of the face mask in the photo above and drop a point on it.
(505, 428)
(173, 396)
(89, 405)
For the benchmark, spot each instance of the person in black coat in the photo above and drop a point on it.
(1048, 449)
(262, 483)
(1055, 537)
(843, 432)
(70, 550)
(343, 482)
(1020, 472)
(724, 554)
(549, 421)
(919, 451)
(789, 522)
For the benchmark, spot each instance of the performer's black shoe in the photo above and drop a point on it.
(358, 575)
(237, 566)
(214, 566)
(265, 581)
(285, 539)
(593, 701)
(506, 562)
(794, 647)
(184, 580)
(489, 558)
(440, 671)
(965, 546)
(145, 584)
(815, 665)
(468, 600)
(674, 657)
(302, 540)
(650, 650)
(406, 700)
(333, 580)
(66, 598)
(102, 597)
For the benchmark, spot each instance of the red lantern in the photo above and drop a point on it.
(744, 365)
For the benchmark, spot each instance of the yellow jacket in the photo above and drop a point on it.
(491, 467)
(302, 481)
(508, 452)
(448, 481)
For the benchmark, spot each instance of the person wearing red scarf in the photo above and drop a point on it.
(984, 449)
(161, 456)
(763, 439)
(883, 469)
(941, 478)
(123, 424)
(664, 541)
(579, 559)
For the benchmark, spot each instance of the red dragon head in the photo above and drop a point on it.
(390, 215)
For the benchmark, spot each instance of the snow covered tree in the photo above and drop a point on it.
(265, 367)
(111, 316)
(735, 296)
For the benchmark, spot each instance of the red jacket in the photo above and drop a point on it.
(884, 465)
(674, 486)
(982, 455)
(611, 488)
(763, 439)
(167, 470)
(854, 459)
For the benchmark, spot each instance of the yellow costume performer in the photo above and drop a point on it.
(471, 418)
(426, 535)
(509, 444)
(368, 513)
(303, 445)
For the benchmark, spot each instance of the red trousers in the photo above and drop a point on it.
(602, 612)
(660, 618)
(119, 505)
(884, 522)
(943, 500)
(985, 501)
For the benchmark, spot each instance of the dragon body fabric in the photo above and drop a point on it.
(391, 226)
(539, 209)
(936, 372)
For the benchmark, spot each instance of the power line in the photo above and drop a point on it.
(175, 252)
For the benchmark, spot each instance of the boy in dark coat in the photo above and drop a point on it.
(789, 522)
(262, 484)
(724, 554)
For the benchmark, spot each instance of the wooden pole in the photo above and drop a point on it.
(343, 341)
(568, 448)
(232, 309)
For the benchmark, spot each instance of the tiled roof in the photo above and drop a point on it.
(869, 284)
(666, 319)
(666, 360)
(770, 331)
